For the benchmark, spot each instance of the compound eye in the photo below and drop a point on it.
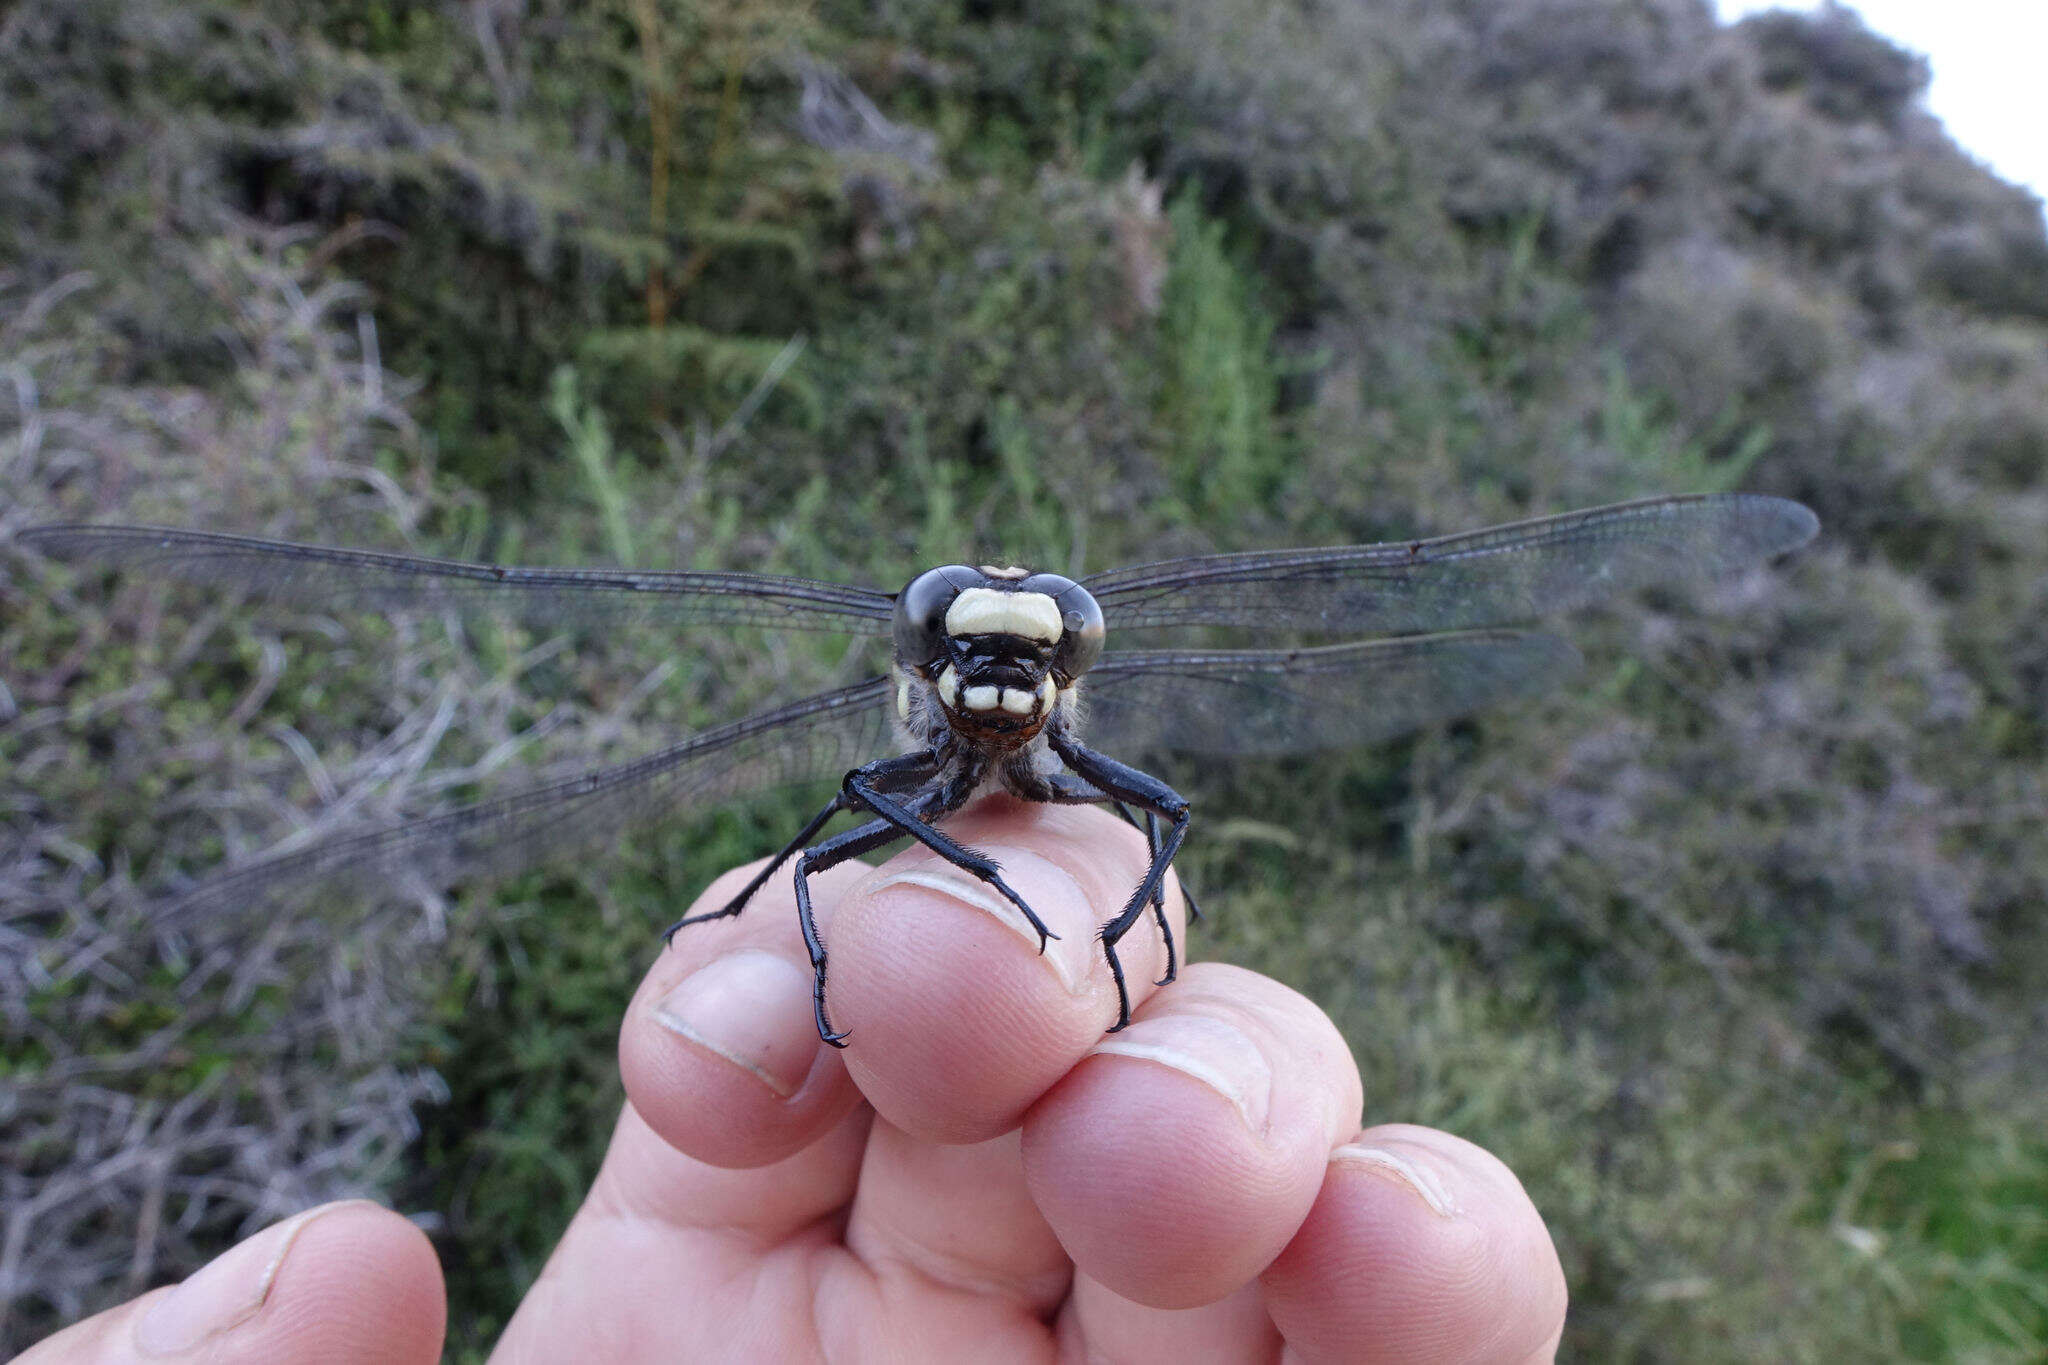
(1082, 633)
(920, 627)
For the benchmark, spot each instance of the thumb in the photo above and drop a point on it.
(341, 1282)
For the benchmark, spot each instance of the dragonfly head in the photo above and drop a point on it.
(998, 645)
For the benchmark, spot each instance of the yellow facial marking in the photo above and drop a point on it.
(984, 611)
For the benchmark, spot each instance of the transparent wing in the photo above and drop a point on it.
(821, 736)
(320, 576)
(1289, 700)
(1477, 578)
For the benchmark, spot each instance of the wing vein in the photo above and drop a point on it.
(325, 576)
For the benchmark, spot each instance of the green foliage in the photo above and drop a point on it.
(591, 445)
(1645, 439)
(1952, 1218)
(1733, 953)
(679, 358)
(525, 1034)
(1219, 389)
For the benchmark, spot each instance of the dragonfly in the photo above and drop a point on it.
(1001, 679)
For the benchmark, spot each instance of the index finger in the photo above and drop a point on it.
(957, 1023)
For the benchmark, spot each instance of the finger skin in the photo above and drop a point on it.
(343, 1282)
(957, 1024)
(1104, 1328)
(958, 1216)
(1421, 1248)
(1179, 1159)
(718, 1049)
(670, 1258)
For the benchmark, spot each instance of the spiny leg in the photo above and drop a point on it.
(841, 847)
(1122, 782)
(1062, 789)
(738, 903)
(935, 799)
(1151, 828)
(902, 769)
(1159, 901)
(1072, 790)
(1187, 897)
(950, 798)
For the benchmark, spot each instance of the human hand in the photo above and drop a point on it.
(983, 1175)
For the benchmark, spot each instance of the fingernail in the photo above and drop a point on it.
(1405, 1168)
(1044, 885)
(752, 1008)
(222, 1294)
(1213, 1051)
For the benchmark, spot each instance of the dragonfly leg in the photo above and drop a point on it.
(1186, 897)
(864, 784)
(1159, 901)
(789, 850)
(917, 825)
(1063, 789)
(1121, 782)
(893, 771)
(841, 847)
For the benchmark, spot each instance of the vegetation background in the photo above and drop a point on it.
(1734, 953)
